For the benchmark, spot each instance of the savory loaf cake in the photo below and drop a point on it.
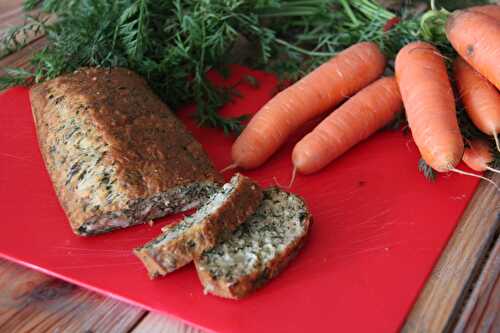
(180, 243)
(117, 156)
(259, 248)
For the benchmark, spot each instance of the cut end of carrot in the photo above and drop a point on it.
(229, 167)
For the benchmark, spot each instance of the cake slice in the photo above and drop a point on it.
(180, 243)
(259, 248)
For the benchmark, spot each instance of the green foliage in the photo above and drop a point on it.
(17, 37)
(174, 43)
(14, 77)
(131, 28)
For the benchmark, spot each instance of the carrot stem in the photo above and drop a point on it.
(476, 176)
(349, 12)
(303, 51)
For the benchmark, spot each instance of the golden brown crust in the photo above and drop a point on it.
(161, 259)
(108, 142)
(257, 279)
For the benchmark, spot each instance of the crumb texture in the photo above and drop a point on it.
(214, 221)
(258, 246)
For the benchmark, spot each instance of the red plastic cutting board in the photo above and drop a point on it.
(379, 228)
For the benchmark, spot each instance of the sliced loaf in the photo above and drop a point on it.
(180, 243)
(259, 248)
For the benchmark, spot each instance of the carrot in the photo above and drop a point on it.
(480, 98)
(319, 91)
(476, 37)
(362, 115)
(430, 105)
(490, 10)
(478, 156)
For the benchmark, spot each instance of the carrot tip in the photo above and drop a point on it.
(292, 180)
(276, 182)
(476, 176)
(492, 169)
(495, 135)
(229, 167)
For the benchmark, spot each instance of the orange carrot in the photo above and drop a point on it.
(319, 91)
(480, 98)
(362, 115)
(430, 105)
(478, 156)
(490, 10)
(476, 37)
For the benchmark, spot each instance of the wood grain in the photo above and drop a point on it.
(447, 289)
(22, 57)
(34, 302)
(12, 15)
(482, 311)
(157, 323)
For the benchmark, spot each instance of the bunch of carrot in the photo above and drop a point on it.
(370, 101)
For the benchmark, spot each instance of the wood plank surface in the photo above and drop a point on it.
(158, 323)
(11, 15)
(482, 311)
(21, 58)
(462, 293)
(447, 289)
(34, 302)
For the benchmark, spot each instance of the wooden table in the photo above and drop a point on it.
(462, 293)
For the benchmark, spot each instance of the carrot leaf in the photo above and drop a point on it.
(174, 43)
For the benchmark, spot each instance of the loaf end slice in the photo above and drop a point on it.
(259, 248)
(180, 243)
